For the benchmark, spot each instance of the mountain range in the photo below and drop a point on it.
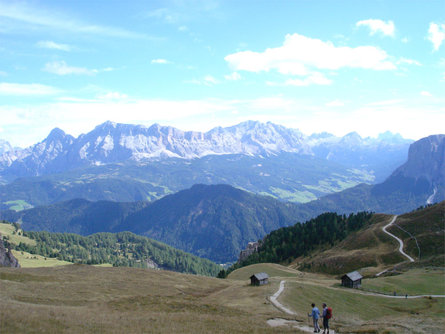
(217, 221)
(122, 162)
(209, 221)
(118, 143)
(419, 181)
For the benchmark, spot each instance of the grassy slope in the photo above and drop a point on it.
(367, 248)
(14, 237)
(374, 250)
(86, 299)
(416, 281)
(428, 226)
(27, 260)
(358, 313)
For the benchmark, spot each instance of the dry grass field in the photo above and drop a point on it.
(87, 299)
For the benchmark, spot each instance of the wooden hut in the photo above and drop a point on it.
(352, 280)
(259, 279)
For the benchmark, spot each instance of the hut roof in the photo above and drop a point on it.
(354, 276)
(260, 276)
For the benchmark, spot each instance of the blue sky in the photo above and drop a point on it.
(336, 66)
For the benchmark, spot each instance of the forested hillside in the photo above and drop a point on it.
(215, 221)
(287, 243)
(120, 249)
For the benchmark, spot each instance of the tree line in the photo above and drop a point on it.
(288, 243)
(118, 249)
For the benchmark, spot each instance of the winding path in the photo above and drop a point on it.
(276, 322)
(398, 239)
(277, 304)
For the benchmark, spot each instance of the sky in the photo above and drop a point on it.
(335, 66)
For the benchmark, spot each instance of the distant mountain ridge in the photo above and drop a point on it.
(117, 143)
(419, 181)
(214, 222)
(218, 221)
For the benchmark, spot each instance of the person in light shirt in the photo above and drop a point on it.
(315, 314)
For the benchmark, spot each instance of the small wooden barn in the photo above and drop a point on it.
(352, 280)
(259, 279)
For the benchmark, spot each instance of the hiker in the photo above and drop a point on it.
(315, 314)
(327, 314)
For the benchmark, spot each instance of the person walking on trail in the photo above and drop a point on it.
(327, 314)
(315, 314)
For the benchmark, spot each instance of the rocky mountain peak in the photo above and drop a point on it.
(426, 159)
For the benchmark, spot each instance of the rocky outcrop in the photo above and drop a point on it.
(251, 248)
(424, 172)
(6, 257)
(152, 264)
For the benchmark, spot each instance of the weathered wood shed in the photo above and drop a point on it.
(259, 279)
(352, 280)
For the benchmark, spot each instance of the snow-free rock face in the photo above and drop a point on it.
(116, 143)
(6, 257)
(426, 159)
(425, 168)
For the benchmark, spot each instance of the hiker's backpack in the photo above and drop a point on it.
(329, 313)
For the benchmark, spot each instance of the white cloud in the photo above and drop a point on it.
(436, 34)
(113, 96)
(335, 103)
(378, 26)
(425, 93)
(405, 40)
(33, 17)
(233, 76)
(53, 45)
(316, 78)
(408, 61)
(23, 125)
(61, 68)
(14, 89)
(160, 61)
(300, 55)
(208, 80)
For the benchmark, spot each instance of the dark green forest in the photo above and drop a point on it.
(288, 243)
(120, 249)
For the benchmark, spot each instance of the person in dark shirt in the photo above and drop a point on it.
(326, 316)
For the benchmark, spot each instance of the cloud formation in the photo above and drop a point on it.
(61, 68)
(15, 89)
(233, 76)
(22, 13)
(436, 34)
(53, 45)
(303, 56)
(378, 26)
(160, 61)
